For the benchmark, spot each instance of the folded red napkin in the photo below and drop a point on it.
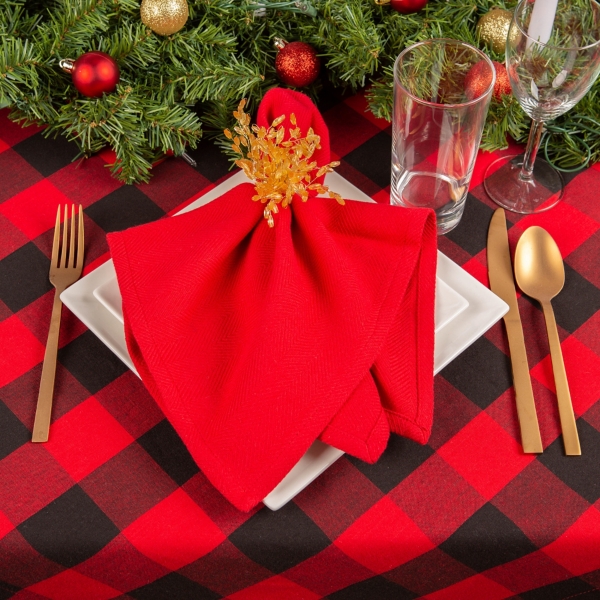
(255, 341)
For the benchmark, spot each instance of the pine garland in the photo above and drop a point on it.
(172, 86)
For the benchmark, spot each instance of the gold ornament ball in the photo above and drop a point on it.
(493, 28)
(164, 16)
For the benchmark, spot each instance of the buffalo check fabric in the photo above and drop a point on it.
(113, 506)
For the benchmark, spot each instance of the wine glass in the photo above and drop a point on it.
(552, 60)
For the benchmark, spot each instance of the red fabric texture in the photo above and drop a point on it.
(256, 341)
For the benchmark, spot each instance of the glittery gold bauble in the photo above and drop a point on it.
(493, 27)
(164, 16)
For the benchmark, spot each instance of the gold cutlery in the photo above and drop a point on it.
(65, 268)
(502, 284)
(540, 274)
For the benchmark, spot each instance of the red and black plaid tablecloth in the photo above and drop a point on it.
(114, 507)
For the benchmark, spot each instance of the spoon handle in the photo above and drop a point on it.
(565, 407)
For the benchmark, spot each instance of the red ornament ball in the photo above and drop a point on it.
(478, 79)
(502, 85)
(94, 74)
(407, 6)
(297, 64)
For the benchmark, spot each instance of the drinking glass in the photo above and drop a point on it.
(442, 90)
(552, 60)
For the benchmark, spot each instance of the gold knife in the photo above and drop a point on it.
(503, 285)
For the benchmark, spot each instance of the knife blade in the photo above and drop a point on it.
(502, 284)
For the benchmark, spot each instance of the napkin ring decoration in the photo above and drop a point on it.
(279, 165)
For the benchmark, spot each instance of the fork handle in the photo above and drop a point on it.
(41, 425)
(563, 395)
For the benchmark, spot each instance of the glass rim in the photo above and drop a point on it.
(517, 22)
(432, 41)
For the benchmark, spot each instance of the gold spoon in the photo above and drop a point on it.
(540, 273)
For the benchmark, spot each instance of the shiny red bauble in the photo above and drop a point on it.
(407, 6)
(502, 85)
(478, 80)
(94, 74)
(297, 64)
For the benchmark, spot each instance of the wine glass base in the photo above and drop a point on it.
(505, 187)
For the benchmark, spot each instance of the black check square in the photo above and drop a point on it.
(580, 473)
(401, 457)
(91, 362)
(209, 162)
(279, 540)
(482, 373)
(173, 586)
(126, 207)
(373, 158)
(577, 302)
(7, 591)
(14, 433)
(164, 445)
(569, 588)
(70, 529)
(470, 235)
(487, 539)
(47, 154)
(376, 587)
(24, 276)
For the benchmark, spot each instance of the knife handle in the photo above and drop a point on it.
(530, 429)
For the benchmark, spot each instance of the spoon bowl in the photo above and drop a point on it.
(540, 273)
(539, 268)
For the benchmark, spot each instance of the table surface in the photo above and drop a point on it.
(113, 505)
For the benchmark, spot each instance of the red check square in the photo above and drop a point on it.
(421, 501)
(316, 500)
(25, 350)
(5, 525)
(121, 566)
(71, 585)
(33, 211)
(582, 366)
(580, 228)
(3, 146)
(578, 548)
(275, 587)
(474, 588)
(13, 132)
(348, 129)
(532, 571)
(383, 538)
(317, 574)
(175, 532)
(359, 103)
(586, 258)
(541, 522)
(20, 473)
(73, 181)
(120, 486)
(12, 237)
(485, 455)
(582, 192)
(246, 573)
(85, 438)
(17, 174)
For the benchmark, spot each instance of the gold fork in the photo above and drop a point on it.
(65, 268)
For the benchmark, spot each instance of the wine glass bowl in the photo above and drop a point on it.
(552, 60)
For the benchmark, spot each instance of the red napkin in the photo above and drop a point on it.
(255, 341)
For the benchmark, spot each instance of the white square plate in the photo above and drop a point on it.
(465, 310)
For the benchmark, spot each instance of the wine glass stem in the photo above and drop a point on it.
(533, 144)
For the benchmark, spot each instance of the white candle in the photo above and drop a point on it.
(542, 21)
